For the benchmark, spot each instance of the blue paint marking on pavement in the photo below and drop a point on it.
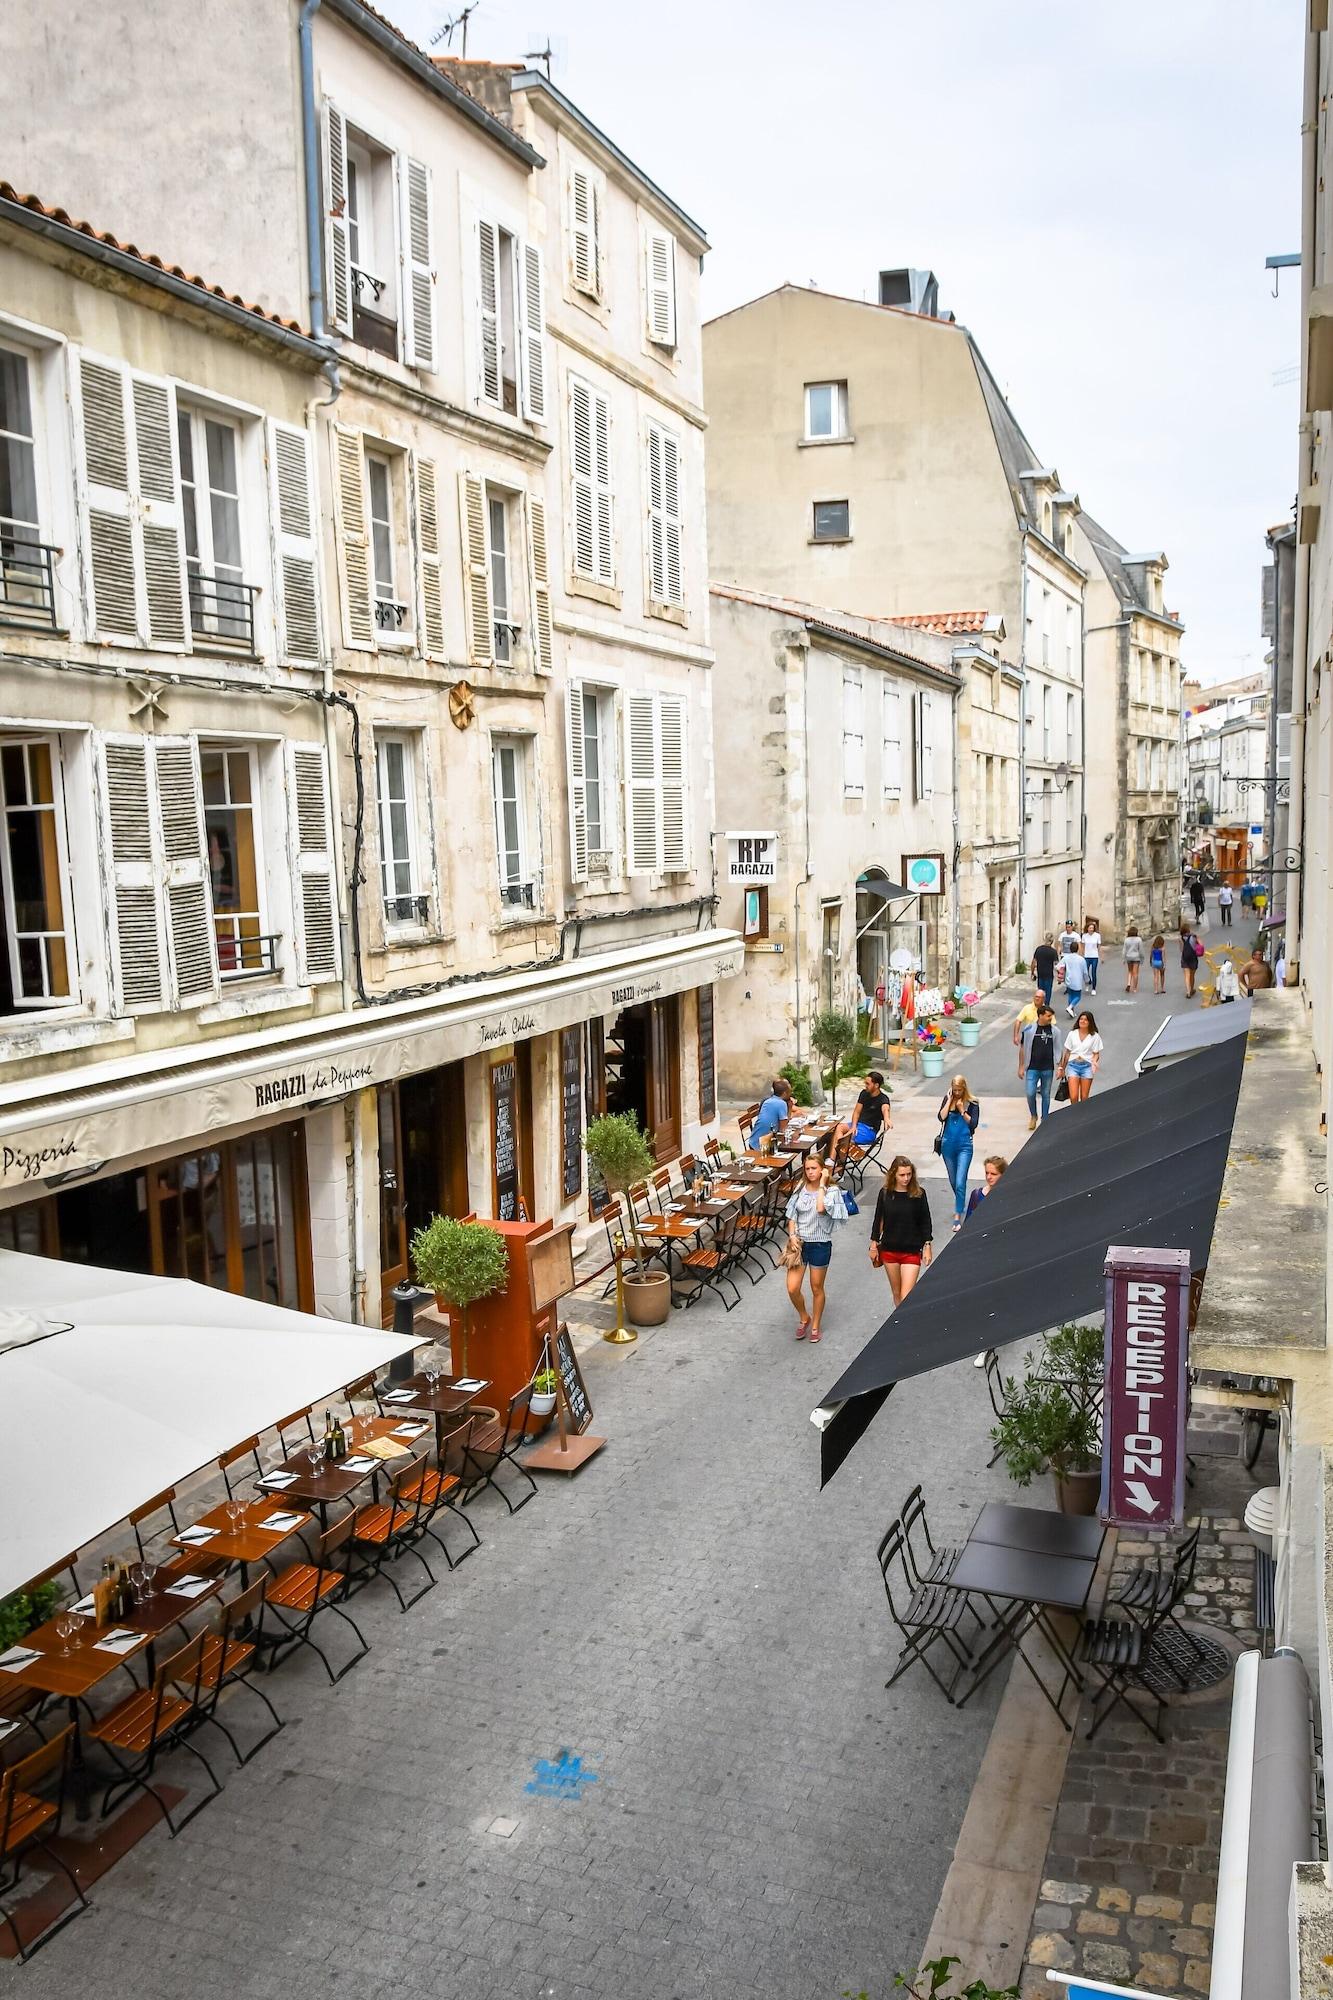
(563, 1779)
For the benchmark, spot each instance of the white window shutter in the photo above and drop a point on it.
(656, 525)
(488, 311)
(582, 504)
(418, 265)
(134, 909)
(428, 557)
(918, 747)
(661, 288)
(643, 782)
(578, 796)
(337, 238)
(104, 436)
(353, 539)
(606, 546)
(853, 732)
(295, 552)
(532, 323)
(671, 515)
(476, 570)
(675, 791)
(191, 944)
(584, 259)
(312, 839)
(540, 573)
(927, 749)
(891, 767)
(160, 519)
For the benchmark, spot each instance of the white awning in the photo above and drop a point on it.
(114, 1387)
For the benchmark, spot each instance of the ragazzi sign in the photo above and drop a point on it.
(752, 858)
(1145, 1401)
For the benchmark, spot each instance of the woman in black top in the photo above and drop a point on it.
(900, 1235)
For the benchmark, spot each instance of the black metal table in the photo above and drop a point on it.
(1039, 1531)
(1022, 1587)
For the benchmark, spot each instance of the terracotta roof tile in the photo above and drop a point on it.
(154, 263)
(826, 619)
(941, 621)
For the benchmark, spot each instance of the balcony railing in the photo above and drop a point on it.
(245, 955)
(407, 909)
(27, 581)
(519, 895)
(390, 615)
(222, 611)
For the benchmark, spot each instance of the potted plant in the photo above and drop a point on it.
(969, 1028)
(798, 1076)
(1046, 1429)
(26, 1610)
(543, 1393)
(832, 1037)
(618, 1149)
(930, 1041)
(460, 1262)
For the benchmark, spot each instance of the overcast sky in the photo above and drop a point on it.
(1096, 186)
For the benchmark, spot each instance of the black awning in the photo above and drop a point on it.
(876, 883)
(1185, 1034)
(1140, 1164)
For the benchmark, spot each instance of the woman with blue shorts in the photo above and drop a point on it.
(1082, 1057)
(813, 1213)
(958, 1114)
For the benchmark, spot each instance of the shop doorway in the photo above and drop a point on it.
(423, 1165)
(641, 1062)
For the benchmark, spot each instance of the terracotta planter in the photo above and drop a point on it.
(647, 1297)
(1078, 1492)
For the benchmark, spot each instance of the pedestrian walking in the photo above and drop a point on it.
(1042, 968)
(1038, 1056)
(1026, 1014)
(994, 1165)
(1197, 898)
(1158, 958)
(1076, 976)
(1082, 1057)
(1069, 937)
(958, 1116)
(901, 1233)
(1226, 896)
(1132, 953)
(1092, 950)
(1256, 975)
(1228, 984)
(1260, 899)
(1191, 951)
(813, 1213)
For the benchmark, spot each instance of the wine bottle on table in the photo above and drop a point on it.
(328, 1435)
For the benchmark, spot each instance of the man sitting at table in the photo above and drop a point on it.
(870, 1117)
(771, 1120)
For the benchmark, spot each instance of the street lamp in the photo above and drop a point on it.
(1060, 776)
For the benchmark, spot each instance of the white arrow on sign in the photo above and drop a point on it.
(1138, 1495)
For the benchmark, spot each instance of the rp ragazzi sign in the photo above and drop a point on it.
(1145, 1403)
(752, 858)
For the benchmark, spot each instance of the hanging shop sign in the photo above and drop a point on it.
(1145, 1401)
(924, 874)
(751, 857)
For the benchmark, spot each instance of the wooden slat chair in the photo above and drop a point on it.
(230, 1460)
(640, 1203)
(708, 1266)
(387, 1529)
(301, 1424)
(713, 1153)
(439, 1485)
(662, 1188)
(494, 1445)
(18, 1701)
(140, 1730)
(28, 1821)
(612, 1214)
(746, 1121)
(230, 1653)
(161, 1503)
(305, 1589)
(689, 1168)
(754, 1226)
(860, 1159)
(366, 1390)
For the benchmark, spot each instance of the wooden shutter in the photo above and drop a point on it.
(582, 504)
(476, 570)
(337, 238)
(539, 572)
(418, 266)
(583, 228)
(675, 794)
(642, 783)
(312, 841)
(295, 563)
(853, 732)
(191, 945)
(664, 578)
(128, 438)
(488, 311)
(661, 287)
(532, 326)
(428, 557)
(160, 515)
(353, 540)
(138, 956)
(606, 548)
(578, 796)
(923, 753)
(891, 746)
(106, 460)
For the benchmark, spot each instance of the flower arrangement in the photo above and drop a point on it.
(948, 1006)
(969, 1001)
(930, 1034)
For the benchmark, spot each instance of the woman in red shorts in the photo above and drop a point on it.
(900, 1236)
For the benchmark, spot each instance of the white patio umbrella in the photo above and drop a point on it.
(114, 1386)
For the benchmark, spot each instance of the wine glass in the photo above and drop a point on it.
(315, 1453)
(140, 1575)
(68, 1624)
(235, 1513)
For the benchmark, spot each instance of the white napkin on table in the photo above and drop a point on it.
(19, 1656)
(189, 1586)
(122, 1640)
(282, 1522)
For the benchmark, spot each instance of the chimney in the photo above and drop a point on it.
(913, 291)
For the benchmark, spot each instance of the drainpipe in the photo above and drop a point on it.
(1022, 742)
(1301, 622)
(804, 648)
(955, 873)
(314, 216)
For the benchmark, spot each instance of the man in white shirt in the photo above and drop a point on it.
(1076, 978)
(1225, 898)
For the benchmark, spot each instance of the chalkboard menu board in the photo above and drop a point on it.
(504, 1136)
(571, 1110)
(573, 1390)
(707, 1069)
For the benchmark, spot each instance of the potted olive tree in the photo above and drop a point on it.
(618, 1149)
(1052, 1424)
(460, 1262)
(832, 1037)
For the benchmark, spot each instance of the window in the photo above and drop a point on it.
(593, 539)
(830, 947)
(660, 287)
(1071, 734)
(27, 595)
(509, 783)
(1045, 815)
(591, 727)
(401, 872)
(592, 833)
(229, 777)
(379, 255)
(833, 521)
(1046, 722)
(1141, 764)
(1071, 635)
(37, 967)
(664, 540)
(1046, 629)
(511, 309)
(388, 553)
(853, 734)
(585, 232)
(891, 747)
(825, 410)
(924, 747)
(221, 603)
(497, 548)
(657, 790)
(371, 244)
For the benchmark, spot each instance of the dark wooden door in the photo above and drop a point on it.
(664, 1078)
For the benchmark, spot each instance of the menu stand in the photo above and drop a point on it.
(550, 1277)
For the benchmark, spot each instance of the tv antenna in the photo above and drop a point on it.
(446, 33)
(541, 56)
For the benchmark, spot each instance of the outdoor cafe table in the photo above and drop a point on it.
(338, 1479)
(1033, 1581)
(451, 1395)
(250, 1540)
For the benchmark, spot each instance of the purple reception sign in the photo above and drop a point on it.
(1145, 1404)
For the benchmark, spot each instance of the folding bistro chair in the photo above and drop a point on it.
(140, 1730)
(1151, 1594)
(305, 1589)
(230, 1652)
(754, 1227)
(689, 1167)
(926, 1614)
(440, 1482)
(612, 1214)
(999, 1400)
(861, 1158)
(29, 1820)
(1117, 1651)
(248, 1448)
(930, 1564)
(493, 1445)
(662, 1188)
(367, 1389)
(709, 1265)
(302, 1424)
(387, 1529)
(161, 1503)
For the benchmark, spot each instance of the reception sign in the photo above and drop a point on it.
(1145, 1402)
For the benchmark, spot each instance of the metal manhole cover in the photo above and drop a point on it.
(1184, 1662)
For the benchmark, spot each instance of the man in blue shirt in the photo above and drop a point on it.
(772, 1118)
